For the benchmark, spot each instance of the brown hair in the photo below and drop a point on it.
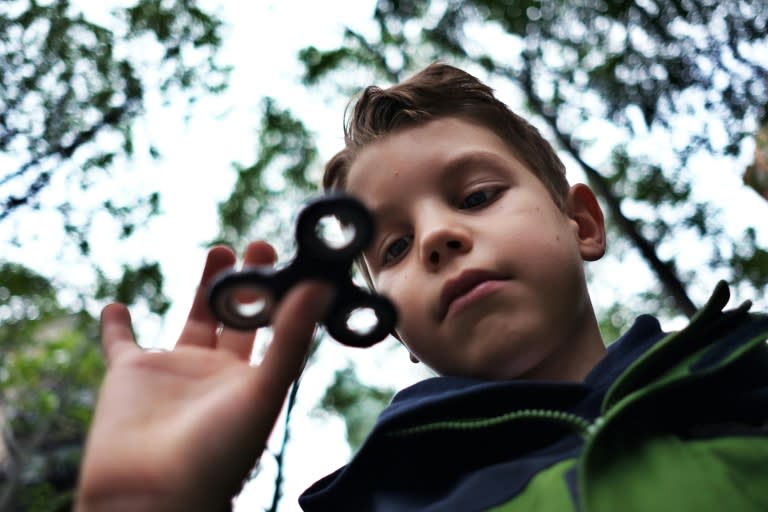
(440, 90)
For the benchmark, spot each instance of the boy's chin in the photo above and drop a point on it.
(495, 358)
(496, 343)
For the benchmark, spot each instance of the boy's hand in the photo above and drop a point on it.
(180, 430)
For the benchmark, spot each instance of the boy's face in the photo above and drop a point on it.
(485, 270)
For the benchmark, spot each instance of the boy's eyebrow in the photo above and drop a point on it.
(451, 169)
(454, 170)
(471, 158)
(383, 211)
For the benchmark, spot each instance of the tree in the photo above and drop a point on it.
(266, 190)
(674, 85)
(756, 174)
(71, 90)
(49, 371)
(73, 84)
(358, 404)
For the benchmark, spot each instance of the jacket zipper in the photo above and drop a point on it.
(581, 425)
(616, 406)
(577, 423)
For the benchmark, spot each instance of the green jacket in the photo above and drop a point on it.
(682, 425)
(685, 427)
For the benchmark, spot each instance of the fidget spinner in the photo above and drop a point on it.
(246, 299)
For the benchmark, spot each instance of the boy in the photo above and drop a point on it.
(480, 244)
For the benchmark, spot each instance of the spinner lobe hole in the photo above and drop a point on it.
(333, 233)
(251, 302)
(362, 321)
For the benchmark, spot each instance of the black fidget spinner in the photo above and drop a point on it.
(246, 299)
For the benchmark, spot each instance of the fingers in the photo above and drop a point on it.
(260, 253)
(293, 327)
(240, 343)
(200, 327)
(116, 331)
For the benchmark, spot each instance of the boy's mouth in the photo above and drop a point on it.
(458, 290)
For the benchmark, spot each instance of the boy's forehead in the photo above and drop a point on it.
(373, 170)
(410, 160)
(371, 185)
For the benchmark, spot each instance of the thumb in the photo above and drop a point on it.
(293, 327)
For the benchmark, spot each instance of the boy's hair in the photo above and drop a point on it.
(438, 91)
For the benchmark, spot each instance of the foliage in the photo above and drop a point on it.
(279, 177)
(71, 89)
(73, 84)
(145, 281)
(756, 175)
(356, 402)
(49, 371)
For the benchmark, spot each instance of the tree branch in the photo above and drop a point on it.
(280, 456)
(663, 270)
(111, 118)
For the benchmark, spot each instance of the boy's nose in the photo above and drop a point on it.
(441, 245)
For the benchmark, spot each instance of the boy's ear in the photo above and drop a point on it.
(582, 207)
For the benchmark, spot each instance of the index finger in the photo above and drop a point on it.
(239, 342)
(200, 327)
(116, 331)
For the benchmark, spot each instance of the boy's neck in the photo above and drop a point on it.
(575, 363)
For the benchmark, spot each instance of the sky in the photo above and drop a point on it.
(195, 173)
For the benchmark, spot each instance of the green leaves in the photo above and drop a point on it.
(756, 174)
(68, 84)
(317, 63)
(357, 403)
(279, 176)
(750, 262)
(143, 282)
(72, 86)
(50, 367)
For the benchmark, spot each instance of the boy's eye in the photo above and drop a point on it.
(395, 249)
(478, 198)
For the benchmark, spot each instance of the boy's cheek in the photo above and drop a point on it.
(384, 284)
